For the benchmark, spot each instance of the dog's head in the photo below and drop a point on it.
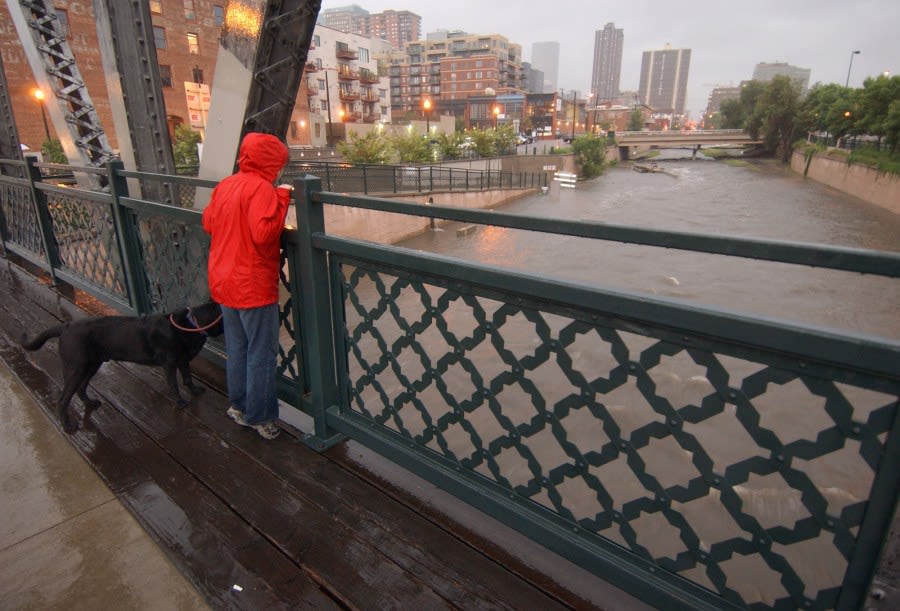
(209, 318)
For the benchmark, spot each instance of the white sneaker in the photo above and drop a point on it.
(267, 430)
(236, 415)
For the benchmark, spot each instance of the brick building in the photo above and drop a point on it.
(186, 34)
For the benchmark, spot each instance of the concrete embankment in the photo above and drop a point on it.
(858, 180)
(386, 227)
(390, 228)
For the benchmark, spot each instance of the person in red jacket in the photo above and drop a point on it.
(245, 218)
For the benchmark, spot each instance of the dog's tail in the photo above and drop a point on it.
(39, 341)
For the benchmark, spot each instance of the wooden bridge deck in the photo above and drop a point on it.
(290, 527)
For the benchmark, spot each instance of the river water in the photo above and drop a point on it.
(761, 199)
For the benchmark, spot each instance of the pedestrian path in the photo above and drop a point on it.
(66, 542)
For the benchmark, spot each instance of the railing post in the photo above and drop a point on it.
(365, 182)
(318, 343)
(128, 238)
(44, 219)
(394, 177)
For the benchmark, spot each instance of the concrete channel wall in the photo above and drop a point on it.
(858, 180)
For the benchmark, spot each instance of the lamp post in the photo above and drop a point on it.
(496, 115)
(574, 112)
(39, 96)
(852, 53)
(426, 108)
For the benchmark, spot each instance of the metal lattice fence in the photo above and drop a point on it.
(743, 472)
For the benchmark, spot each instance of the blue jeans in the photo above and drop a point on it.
(251, 345)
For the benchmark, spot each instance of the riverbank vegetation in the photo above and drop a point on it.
(866, 118)
(377, 147)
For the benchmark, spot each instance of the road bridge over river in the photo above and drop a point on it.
(630, 142)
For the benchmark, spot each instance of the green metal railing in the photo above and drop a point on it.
(696, 457)
(384, 179)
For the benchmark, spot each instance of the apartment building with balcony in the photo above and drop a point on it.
(449, 67)
(343, 84)
(396, 27)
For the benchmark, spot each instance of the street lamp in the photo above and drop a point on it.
(426, 107)
(39, 96)
(496, 115)
(847, 84)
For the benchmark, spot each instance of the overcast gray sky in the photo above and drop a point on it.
(727, 38)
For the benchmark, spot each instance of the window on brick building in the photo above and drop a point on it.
(218, 15)
(165, 75)
(197, 74)
(159, 37)
(193, 43)
(189, 9)
(62, 21)
(156, 7)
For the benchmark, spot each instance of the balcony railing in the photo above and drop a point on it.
(343, 52)
(348, 75)
(310, 67)
(347, 95)
(367, 76)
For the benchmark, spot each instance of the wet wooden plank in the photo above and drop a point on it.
(209, 543)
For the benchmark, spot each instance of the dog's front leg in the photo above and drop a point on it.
(172, 379)
(188, 381)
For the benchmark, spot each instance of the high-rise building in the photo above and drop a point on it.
(351, 19)
(607, 63)
(664, 77)
(534, 79)
(545, 57)
(766, 71)
(396, 27)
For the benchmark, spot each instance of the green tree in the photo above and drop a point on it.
(874, 101)
(505, 139)
(891, 126)
(412, 148)
(775, 114)
(484, 141)
(374, 147)
(636, 120)
(184, 148)
(732, 116)
(52, 151)
(449, 145)
(816, 112)
(590, 154)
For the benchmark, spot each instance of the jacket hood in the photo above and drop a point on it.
(262, 154)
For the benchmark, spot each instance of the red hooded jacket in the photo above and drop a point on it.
(245, 218)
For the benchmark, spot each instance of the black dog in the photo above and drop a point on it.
(169, 340)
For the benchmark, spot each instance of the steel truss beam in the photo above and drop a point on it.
(125, 32)
(281, 54)
(53, 64)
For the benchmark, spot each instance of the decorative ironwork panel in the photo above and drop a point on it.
(22, 228)
(86, 236)
(175, 254)
(731, 469)
(289, 334)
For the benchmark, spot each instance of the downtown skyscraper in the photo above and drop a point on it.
(608, 44)
(545, 57)
(664, 77)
